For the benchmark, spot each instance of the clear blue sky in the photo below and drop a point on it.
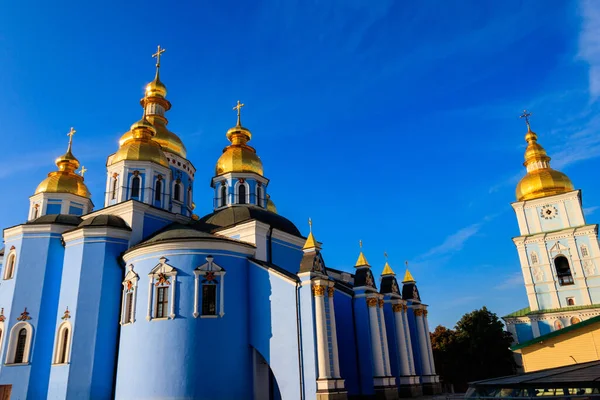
(393, 122)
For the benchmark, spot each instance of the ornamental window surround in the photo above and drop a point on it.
(135, 184)
(129, 296)
(10, 264)
(62, 348)
(115, 183)
(223, 195)
(177, 190)
(19, 346)
(209, 290)
(161, 291)
(242, 191)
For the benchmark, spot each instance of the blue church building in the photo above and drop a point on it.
(143, 299)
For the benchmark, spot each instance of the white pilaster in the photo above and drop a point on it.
(423, 338)
(386, 351)
(430, 352)
(334, 344)
(321, 331)
(402, 342)
(378, 365)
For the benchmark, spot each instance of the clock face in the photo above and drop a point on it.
(548, 212)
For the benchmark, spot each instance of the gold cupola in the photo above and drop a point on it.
(270, 205)
(141, 146)
(65, 180)
(540, 180)
(239, 156)
(156, 105)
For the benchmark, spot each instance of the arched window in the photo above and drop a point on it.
(259, 195)
(563, 271)
(158, 191)
(114, 188)
(129, 293)
(135, 187)
(534, 257)
(584, 251)
(223, 197)
(570, 301)
(177, 191)
(209, 289)
(162, 285)
(19, 345)
(189, 197)
(242, 194)
(36, 211)
(9, 271)
(63, 344)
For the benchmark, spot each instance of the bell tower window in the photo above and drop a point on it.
(242, 194)
(135, 187)
(21, 342)
(223, 196)
(563, 271)
(158, 191)
(177, 191)
(259, 195)
(113, 192)
(19, 345)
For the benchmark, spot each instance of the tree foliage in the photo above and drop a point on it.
(477, 348)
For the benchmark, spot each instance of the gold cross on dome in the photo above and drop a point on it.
(83, 171)
(310, 224)
(406, 263)
(385, 255)
(526, 115)
(156, 55)
(70, 135)
(360, 244)
(238, 107)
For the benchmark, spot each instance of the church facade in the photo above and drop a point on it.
(143, 299)
(558, 251)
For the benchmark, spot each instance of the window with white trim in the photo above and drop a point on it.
(189, 197)
(161, 291)
(158, 190)
(19, 346)
(10, 264)
(584, 251)
(62, 348)
(177, 191)
(209, 290)
(115, 182)
(242, 192)
(129, 296)
(259, 195)
(136, 183)
(223, 195)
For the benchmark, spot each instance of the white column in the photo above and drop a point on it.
(321, 328)
(430, 350)
(401, 342)
(375, 338)
(334, 344)
(411, 359)
(386, 349)
(424, 350)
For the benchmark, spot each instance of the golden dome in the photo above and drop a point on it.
(156, 88)
(168, 140)
(65, 180)
(239, 156)
(141, 147)
(270, 205)
(541, 180)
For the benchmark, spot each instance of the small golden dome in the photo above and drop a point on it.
(541, 180)
(141, 147)
(270, 205)
(63, 182)
(156, 88)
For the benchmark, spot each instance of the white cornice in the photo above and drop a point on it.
(96, 232)
(286, 237)
(556, 235)
(35, 228)
(557, 198)
(201, 244)
(132, 206)
(236, 175)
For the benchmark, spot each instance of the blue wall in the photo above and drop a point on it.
(286, 255)
(344, 319)
(524, 332)
(363, 337)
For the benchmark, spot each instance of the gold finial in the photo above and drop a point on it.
(385, 255)
(407, 276)
(387, 270)
(82, 171)
(311, 242)
(362, 260)
(310, 224)
(238, 107)
(156, 55)
(360, 244)
(526, 115)
(70, 135)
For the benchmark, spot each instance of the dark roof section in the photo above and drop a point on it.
(105, 220)
(389, 285)
(62, 219)
(276, 268)
(312, 261)
(344, 287)
(578, 375)
(559, 332)
(364, 277)
(410, 292)
(181, 232)
(235, 215)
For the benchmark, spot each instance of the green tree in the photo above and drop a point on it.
(477, 348)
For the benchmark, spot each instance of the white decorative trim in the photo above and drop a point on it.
(236, 192)
(12, 343)
(238, 247)
(202, 270)
(180, 183)
(130, 186)
(59, 343)
(132, 277)
(162, 268)
(9, 273)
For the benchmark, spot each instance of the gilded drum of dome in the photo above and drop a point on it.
(239, 159)
(63, 182)
(141, 150)
(541, 183)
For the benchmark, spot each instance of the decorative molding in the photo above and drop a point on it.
(210, 271)
(318, 290)
(372, 301)
(330, 291)
(418, 312)
(24, 316)
(380, 303)
(66, 315)
(397, 307)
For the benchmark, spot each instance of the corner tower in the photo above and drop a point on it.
(63, 191)
(239, 171)
(557, 249)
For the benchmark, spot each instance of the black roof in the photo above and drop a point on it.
(105, 220)
(182, 232)
(389, 285)
(63, 219)
(577, 374)
(235, 215)
(410, 292)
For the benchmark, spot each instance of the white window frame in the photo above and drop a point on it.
(59, 343)
(199, 273)
(162, 189)
(132, 277)
(12, 343)
(237, 191)
(173, 191)
(12, 256)
(162, 268)
(220, 197)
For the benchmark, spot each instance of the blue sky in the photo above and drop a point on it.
(388, 121)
